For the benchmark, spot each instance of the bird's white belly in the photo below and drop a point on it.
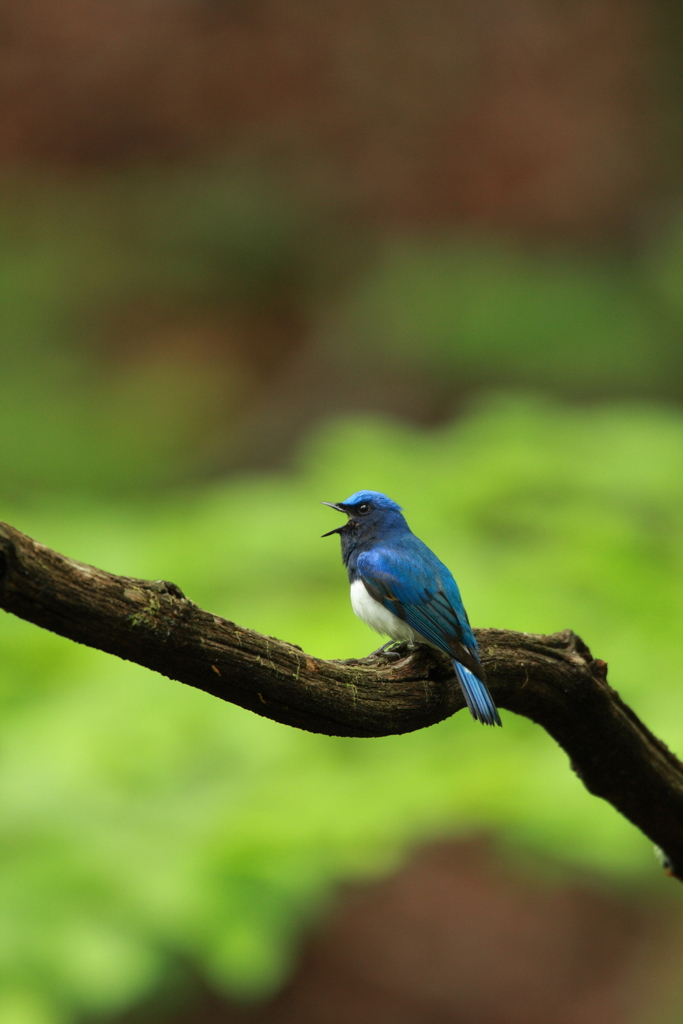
(377, 617)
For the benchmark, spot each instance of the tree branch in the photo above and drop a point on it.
(552, 680)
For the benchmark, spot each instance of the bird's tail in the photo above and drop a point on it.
(478, 698)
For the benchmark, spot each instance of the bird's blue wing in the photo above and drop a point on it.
(411, 582)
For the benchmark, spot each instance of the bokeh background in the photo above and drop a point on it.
(259, 255)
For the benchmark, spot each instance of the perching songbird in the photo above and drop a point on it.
(401, 589)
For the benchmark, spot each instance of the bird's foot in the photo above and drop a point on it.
(393, 650)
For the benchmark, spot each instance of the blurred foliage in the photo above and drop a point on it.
(473, 312)
(141, 314)
(124, 320)
(144, 823)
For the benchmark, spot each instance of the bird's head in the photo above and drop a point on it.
(368, 512)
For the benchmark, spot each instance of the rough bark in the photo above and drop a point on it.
(552, 680)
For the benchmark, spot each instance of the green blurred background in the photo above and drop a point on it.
(253, 258)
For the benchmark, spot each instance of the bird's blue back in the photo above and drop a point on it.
(419, 588)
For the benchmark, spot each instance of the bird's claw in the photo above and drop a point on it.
(392, 650)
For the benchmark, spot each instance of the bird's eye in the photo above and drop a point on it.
(364, 507)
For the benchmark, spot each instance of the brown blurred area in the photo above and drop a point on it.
(536, 116)
(459, 937)
(539, 120)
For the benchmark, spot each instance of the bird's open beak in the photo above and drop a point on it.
(339, 508)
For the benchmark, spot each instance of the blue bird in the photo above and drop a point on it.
(401, 589)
